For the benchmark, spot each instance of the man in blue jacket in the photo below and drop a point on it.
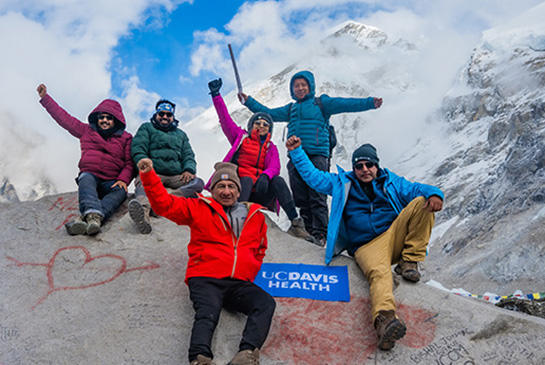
(308, 118)
(381, 219)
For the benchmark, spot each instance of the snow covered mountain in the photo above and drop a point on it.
(481, 141)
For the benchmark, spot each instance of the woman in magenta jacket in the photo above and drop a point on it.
(256, 156)
(105, 166)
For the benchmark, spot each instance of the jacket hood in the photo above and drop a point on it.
(307, 75)
(111, 107)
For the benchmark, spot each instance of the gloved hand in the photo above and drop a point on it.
(215, 86)
(262, 184)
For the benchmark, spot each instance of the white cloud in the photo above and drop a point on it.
(66, 45)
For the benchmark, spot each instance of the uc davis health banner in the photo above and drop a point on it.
(305, 281)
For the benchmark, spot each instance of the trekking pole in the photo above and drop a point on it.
(237, 76)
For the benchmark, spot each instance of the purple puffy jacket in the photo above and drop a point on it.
(108, 159)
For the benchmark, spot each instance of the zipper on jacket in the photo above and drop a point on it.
(236, 242)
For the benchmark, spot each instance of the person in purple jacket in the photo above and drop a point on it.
(258, 162)
(105, 166)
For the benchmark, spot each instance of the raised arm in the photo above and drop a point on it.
(228, 126)
(72, 124)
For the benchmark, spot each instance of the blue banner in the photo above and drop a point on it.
(305, 281)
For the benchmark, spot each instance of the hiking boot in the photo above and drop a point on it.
(139, 216)
(389, 329)
(94, 221)
(246, 357)
(76, 227)
(202, 360)
(320, 239)
(297, 229)
(408, 269)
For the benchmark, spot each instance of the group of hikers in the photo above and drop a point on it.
(378, 217)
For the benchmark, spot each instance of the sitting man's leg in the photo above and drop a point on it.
(411, 231)
(374, 259)
(259, 306)
(207, 297)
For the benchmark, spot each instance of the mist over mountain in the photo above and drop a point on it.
(475, 128)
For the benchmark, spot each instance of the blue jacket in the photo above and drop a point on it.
(305, 119)
(399, 190)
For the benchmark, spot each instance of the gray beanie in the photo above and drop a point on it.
(260, 115)
(225, 171)
(366, 152)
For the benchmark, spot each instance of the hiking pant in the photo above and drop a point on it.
(210, 295)
(97, 195)
(174, 186)
(407, 238)
(312, 205)
(278, 190)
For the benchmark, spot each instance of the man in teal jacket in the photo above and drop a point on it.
(381, 219)
(173, 159)
(308, 118)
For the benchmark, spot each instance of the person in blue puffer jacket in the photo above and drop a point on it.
(308, 118)
(381, 219)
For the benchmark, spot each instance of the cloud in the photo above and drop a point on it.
(68, 46)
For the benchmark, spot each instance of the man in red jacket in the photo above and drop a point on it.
(226, 249)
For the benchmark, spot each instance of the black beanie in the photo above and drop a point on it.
(366, 152)
(266, 117)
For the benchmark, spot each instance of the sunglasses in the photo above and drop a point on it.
(262, 124)
(105, 116)
(368, 164)
(165, 114)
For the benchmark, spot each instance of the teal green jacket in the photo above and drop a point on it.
(305, 118)
(170, 150)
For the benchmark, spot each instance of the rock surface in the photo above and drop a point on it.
(119, 298)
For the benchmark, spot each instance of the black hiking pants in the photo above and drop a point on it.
(312, 205)
(278, 190)
(210, 295)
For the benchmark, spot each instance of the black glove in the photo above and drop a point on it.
(262, 184)
(215, 86)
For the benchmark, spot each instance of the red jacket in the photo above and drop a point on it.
(214, 250)
(108, 159)
(251, 155)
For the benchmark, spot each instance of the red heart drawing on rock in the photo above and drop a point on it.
(75, 268)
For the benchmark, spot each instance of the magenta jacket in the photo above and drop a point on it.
(236, 134)
(108, 159)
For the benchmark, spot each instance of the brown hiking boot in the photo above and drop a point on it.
(409, 270)
(246, 357)
(138, 214)
(94, 221)
(297, 229)
(202, 360)
(76, 227)
(389, 329)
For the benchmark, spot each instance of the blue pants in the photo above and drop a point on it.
(98, 196)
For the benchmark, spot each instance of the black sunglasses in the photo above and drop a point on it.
(261, 122)
(165, 114)
(107, 116)
(368, 164)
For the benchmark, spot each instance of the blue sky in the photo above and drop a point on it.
(160, 52)
(137, 51)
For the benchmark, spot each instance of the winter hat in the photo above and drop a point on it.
(165, 107)
(225, 171)
(366, 152)
(264, 116)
